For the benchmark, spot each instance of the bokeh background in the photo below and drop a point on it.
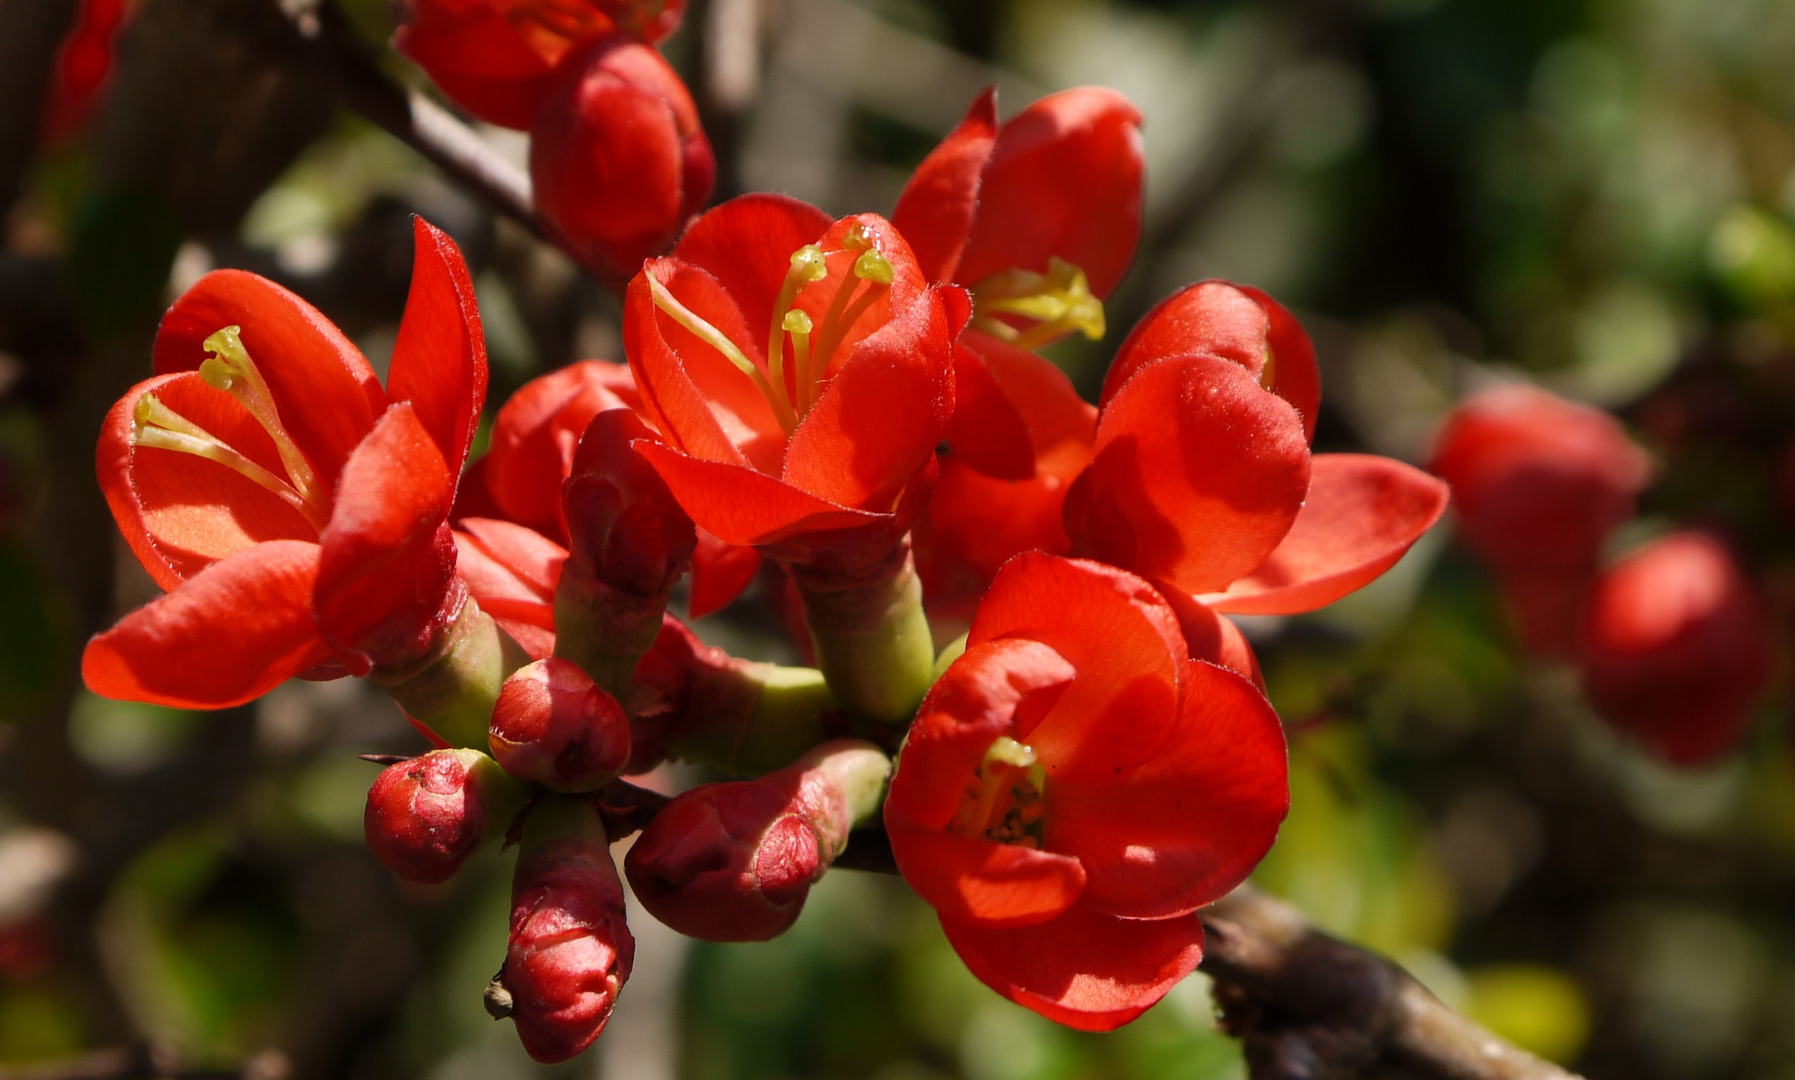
(1598, 195)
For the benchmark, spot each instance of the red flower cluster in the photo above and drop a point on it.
(1672, 639)
(1096, 766)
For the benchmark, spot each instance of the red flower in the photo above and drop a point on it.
(1075, 788)
(1675, 648)
(83, 67)
(1039, 218)
(1539, 482)
(800, 371)
(735, 861)
(296, 512)
(512, 572)
(617, 157)
(497, 58)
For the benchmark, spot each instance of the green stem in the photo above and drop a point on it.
(453, 691)
(751, 718)
(872, 643)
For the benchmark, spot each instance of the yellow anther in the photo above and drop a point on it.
(1059, 301)
(229, 360)
(1268, 375)
(1008, 751)
(809, 264)
(872, 266)
(796, 322)
(1003, 796)
(856, 238)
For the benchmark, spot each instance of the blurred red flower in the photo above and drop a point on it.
(1075, 787)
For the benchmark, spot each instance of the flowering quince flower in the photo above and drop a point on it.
(1676, 648)
(800, 373)
(425, 816)
(734, 861)
(1540, 482)
(1038, 217)
(497, 58)
(296, 511)
(1075, 787)
(617, 157)
(512, 572)
(570, 950)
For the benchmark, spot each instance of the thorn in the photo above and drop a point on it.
(384, 759)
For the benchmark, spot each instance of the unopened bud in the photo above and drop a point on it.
(426, 815)
(554, 726)
(570, 950)
(735, 861)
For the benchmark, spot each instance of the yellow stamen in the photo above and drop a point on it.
(716, 339)
(1003, 796)
(1060, 301)
(798, 325)
(230, 368)
(158, 427)
(808, 265)
(871, 267)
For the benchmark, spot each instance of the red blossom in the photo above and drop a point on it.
(296, 511)
(1075, 787)
(617, 157)
(497, 58)
(800, 371)
(1676, 648)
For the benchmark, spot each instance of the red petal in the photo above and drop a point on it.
(1198, 475)
(481, 61)
(975, 524)
(536, 432)
(882, 415)
(512, 572)
(987, 431)
(720, 572)
(238, 629)
(1046, 399)
(703, 404)
(1084, 969)
(747, 244)
(1185, 827)
(532, 557)
(181, 513)
(741, 506)
(988, 692)
(985, 883)
(935, 211)
(1234, 322)
(1362, 514)
(327, 395)
(1214, 638)
(388, 557)
(439, 360)
(1121, 638)
(1065, 179)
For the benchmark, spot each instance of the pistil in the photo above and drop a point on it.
(1003, 797)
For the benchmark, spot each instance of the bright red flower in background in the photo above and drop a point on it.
(799, 370)
(296, 511)
(83, 67)
(497, 58)
(1075, 787)
(1539, 482)
(617, 157)
(1676, 648)
(1038, 218)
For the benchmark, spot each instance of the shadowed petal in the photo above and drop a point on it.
(935, 211)
(439, 360)
(740, 506)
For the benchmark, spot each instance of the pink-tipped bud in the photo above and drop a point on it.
(571, 950)
(425, 816)
(735, 861)
(1675, 648)
(554, 726)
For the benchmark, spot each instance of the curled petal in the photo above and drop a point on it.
(1214, 638)
(1065, 180)
(1234, 322)
(1185, 827)
(388, 560)
(1085, 970)
(937, 207)
(983, 883)
(1121, 638)
(235, 631)
(740, 506)
(720, 572)
(439, 360)
(327, 395)
(1198, 474)
(987, 431)
(181, 513)
(1363, 513)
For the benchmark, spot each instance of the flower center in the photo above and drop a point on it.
(1003, 797)
(230, 369)
(1058, 302)
(792, 391)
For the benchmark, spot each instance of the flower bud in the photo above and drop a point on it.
(734, 861)
(554, 726)
(425, 816)
(570, 950)
(617, 156)
(1675, 648)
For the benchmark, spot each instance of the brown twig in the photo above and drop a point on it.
(125, 1062)
(1308, 1006)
